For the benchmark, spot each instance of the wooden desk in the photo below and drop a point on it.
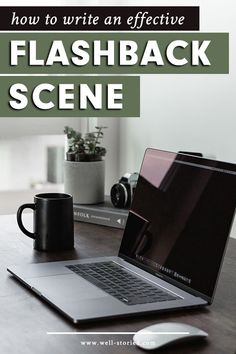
(25, 319)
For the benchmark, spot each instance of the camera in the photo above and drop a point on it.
(123, 191)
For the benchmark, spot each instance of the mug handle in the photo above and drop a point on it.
(19, 219)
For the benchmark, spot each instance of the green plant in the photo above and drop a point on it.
(85, 148)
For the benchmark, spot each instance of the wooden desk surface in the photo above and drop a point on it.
(25, 319)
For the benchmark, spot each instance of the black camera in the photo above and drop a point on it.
(123, 191)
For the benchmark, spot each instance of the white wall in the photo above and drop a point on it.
(187, 112)
(23, 160)
(18, 127)
(111, 142)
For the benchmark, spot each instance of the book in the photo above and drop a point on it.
(102, 214)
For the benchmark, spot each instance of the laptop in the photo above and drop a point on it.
(171, 251)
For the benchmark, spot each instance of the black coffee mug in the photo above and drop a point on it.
(53, 222)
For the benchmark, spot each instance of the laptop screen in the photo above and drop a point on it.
(180, 218)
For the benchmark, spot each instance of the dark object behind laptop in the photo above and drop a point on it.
(197, 154)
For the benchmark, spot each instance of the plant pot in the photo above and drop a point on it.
(85, 181)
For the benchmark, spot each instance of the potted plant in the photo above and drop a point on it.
(84, 167)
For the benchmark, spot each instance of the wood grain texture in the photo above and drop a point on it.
(25, 318)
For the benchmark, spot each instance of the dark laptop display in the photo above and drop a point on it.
(180, 218)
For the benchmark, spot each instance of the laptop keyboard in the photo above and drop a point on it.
(120, 283)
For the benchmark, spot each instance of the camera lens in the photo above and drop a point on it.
(119, 195)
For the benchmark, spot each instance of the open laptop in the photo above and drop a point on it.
(171, 252)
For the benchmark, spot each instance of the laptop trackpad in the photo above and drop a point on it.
(66, 286)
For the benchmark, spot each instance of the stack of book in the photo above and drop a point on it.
(102, 214)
